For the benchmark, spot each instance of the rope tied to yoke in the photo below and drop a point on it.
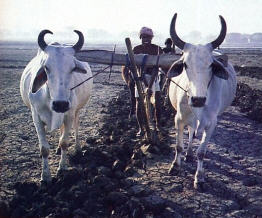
(101, 71)
(187, 90)
(178, 85)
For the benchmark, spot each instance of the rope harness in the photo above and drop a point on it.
(144, 60)
(186, 91)
(178, 85)
(90, 77)
(101, 71)
(183, 88)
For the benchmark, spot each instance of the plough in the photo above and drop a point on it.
(132, 61)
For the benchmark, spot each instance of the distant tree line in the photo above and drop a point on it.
(238, 38)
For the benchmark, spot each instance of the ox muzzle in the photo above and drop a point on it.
(198, 101)
(60, 106)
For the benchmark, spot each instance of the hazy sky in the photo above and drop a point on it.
(122, 18)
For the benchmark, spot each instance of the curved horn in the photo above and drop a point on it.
(41, 42)
(222, 34)
(176, 40)
(80, 42)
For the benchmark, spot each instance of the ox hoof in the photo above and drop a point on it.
(174, 170)
(188, 158)
(62, 167)
(131, 115)
(199, 181)
(58, 151)
(46, 179)
(78, 151)
(45, 183)
(199, 185)
(60, 171)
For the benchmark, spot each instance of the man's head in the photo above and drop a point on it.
(146, 35)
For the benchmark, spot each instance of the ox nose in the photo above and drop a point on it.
(60, 106)
(198, 101)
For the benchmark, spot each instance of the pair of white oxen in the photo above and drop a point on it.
(208, 88)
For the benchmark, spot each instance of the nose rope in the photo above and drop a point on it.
(179, 86)
(187, 90)
(101, 71)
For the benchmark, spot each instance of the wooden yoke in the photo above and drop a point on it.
(138, 84)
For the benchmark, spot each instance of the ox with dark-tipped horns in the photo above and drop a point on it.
(202, 86)
(46, 88)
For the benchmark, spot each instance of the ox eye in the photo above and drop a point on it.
(185, 65)
(79, 70)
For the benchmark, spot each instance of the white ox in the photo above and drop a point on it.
(209, 87)
(45, 88)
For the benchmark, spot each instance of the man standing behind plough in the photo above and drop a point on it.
(149, 76)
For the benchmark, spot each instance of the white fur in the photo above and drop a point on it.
(218, 95)
(60, 61)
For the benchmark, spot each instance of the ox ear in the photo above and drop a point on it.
(176, 69)
(219, 70)
(40, 80)
(79, 67)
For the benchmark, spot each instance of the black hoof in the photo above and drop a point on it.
(188, 158)
(78, 153)
(131, 114)
(199, 186)
(44, 183)
(61, 172)
(174, 171)
(58, 151)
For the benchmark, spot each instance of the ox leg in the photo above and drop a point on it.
(176, 164)
(189, 151)
(76, 126)
(63, 143)
(44, 148)
(201, 152)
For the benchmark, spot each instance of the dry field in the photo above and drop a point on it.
(117, 175)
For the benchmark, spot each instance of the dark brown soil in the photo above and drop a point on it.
(119, 175)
